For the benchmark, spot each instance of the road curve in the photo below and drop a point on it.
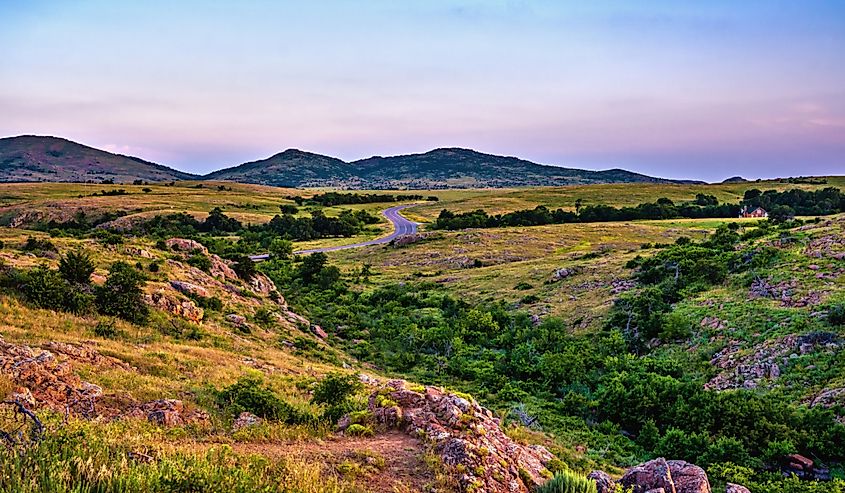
(401, 226)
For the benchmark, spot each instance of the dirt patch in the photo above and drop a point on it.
(386, 463)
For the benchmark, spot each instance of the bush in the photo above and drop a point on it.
(154, 267)
(76, 267)
(45, 288)
(335, 389)
(251, 395)
(357, 430)
(122, 295)
(568, 482)
(36, 245)
(106, 329)
(244, 267)
(200, 261)
(836, 315)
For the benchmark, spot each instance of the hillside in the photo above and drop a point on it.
(30, 158)
(436, 169)
(291, 168)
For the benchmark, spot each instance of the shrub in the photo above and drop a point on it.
(357, 430)
(244, 267)
(106, 329)
(568, 482)
(250, 394)
(122, 295)
(36, 245)
(154, 266)
(45, 288)
(836, 315)
(335, 388)
(200, 261)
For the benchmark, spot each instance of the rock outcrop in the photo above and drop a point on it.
(672, 476)
(466, 437)
(185, 245)
(175, 305)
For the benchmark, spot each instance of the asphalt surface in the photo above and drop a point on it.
(401, 227)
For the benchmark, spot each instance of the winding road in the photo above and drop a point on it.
(401, 227)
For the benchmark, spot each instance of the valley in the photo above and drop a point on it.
(585, 338)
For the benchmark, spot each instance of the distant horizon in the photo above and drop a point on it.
(352, 161)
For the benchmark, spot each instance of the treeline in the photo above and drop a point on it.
(781, 205)
(822, 202)
(329, 199)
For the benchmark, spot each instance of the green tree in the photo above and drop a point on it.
(76, 267)
(281, 249)
(122, 294)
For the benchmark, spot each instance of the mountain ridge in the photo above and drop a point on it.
(43, 158)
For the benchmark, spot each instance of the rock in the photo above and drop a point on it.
(464, 435)
(319, 332)
(220, 269)
(262, 284)
(813, 267)
(245, 420)
(137, 252)
(171, 304)
(735, 488)
(604, 483)
(562, 273)
(688, 478)
(803, 463)
(169, 412)
(184, 245)
(673, 476)
(236, 319)
(648, 476)
(189, 289)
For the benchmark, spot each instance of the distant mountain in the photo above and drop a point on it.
(440, 168)
(291, 168)
(735, 179)
(37, 158)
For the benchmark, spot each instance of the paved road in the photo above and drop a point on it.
(401, 226)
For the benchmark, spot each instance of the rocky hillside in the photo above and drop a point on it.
(30, 158)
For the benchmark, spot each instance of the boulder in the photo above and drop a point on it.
(262, 284)
(688, 478)
(245, 420)
(185, 245)
(735, 488)
(174, 305)
(604, 483)
(220, 269)
(189, 288)
(319, 332)
(648, 476)
(169, 412)
(673, 476)
(236, 319)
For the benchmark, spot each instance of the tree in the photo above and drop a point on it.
(781, 214)
(122, 294)
(311, 266)
(76, 267)
(281, 249)
(244, 267)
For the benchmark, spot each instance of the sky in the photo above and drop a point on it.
(678, 89)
